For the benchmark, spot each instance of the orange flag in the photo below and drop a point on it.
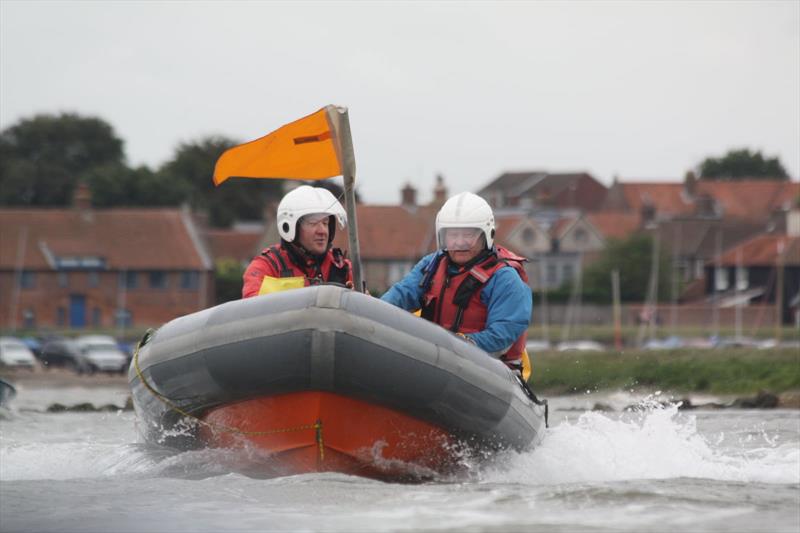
(305, 149)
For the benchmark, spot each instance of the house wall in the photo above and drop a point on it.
(148, 306)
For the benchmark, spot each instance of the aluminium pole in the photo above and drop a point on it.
(349, 176)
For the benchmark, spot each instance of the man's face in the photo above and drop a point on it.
(313, 233)
(463, 244)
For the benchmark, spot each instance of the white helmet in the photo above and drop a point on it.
(307, 200)
(465, 210)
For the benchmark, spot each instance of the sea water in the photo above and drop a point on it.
(654, 468)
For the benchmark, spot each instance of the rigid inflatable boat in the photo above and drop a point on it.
(328, 379)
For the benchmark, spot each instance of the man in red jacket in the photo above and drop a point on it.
(306, 218)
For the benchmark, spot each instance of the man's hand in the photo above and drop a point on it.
(466, 339)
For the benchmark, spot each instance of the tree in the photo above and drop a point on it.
(118, 186)
(236, 199)
(43, 158)
(228, 280)
(740, 164)
(633, 258)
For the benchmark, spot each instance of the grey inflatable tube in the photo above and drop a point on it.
(328, 338)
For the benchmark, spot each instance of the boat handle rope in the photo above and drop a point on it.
(316, 426)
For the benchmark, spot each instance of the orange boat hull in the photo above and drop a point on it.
(308, 432)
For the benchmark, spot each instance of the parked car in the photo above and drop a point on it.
(61, 352)
(14, 353)
(533, 346)
(580, 346)
(101, 353)
(670, 343)
(34, 345)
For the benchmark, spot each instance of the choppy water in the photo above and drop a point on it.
(655, 470)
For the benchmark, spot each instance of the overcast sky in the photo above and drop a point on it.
(638, 90)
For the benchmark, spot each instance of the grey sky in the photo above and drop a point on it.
(641, 90)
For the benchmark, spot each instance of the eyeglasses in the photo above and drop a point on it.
(313, 221)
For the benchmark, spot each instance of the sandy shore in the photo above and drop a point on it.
(61, 377)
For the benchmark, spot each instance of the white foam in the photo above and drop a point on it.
(656, 443)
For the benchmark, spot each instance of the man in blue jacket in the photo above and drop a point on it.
(469, 285)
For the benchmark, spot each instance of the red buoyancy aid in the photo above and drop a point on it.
(454, 301)
(277, 262)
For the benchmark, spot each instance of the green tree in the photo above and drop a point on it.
(42, 158)
(117, 186)
(228, 280)
(740, 164)
(633, 258)
(236, 199)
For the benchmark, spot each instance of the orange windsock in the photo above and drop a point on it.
(306, 149)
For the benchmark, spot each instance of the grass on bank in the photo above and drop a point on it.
(629, 333)
(736, 371)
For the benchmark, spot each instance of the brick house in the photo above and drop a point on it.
(758, 270)
(543, 189)
(81, 267)
(743, 200)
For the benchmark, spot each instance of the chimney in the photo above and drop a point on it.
(793, 222)
(408, 196)
(690, 183)
(439, 191)
(82, 197)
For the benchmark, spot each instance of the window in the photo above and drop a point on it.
(61, 316)
(127, 279)
(28, 319)
(123, 318)
(720, 279)
(27, 279)
(158, 279)
(93, 279)
(552, 274)
(63, 279)
(741, 278)
(580, 235)
(398, 270)
(190, 279)
(528, 236)
(567, 271)
(96, 316)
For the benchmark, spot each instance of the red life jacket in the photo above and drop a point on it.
(279, 262)
(453, 300)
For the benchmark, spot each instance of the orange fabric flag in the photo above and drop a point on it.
(305, 149)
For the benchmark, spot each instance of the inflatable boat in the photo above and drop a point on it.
(328, 379)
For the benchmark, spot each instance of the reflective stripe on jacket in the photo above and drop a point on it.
(279, 261)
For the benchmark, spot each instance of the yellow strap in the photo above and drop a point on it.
(527, 367)
(270, 284)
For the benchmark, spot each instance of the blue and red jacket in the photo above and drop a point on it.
(489, 301)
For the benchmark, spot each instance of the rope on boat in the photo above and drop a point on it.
(316, 426)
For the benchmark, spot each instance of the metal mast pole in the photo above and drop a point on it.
(349, 175)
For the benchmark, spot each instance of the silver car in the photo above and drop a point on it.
(15, 353)
(100, 353)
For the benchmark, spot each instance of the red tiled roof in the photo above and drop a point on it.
(505, 225)
(615, 224)
(124, 238)
(750, 198)
(561, 225)
(233, 244)
(763, 251)
(667, 198)
(393, 232)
